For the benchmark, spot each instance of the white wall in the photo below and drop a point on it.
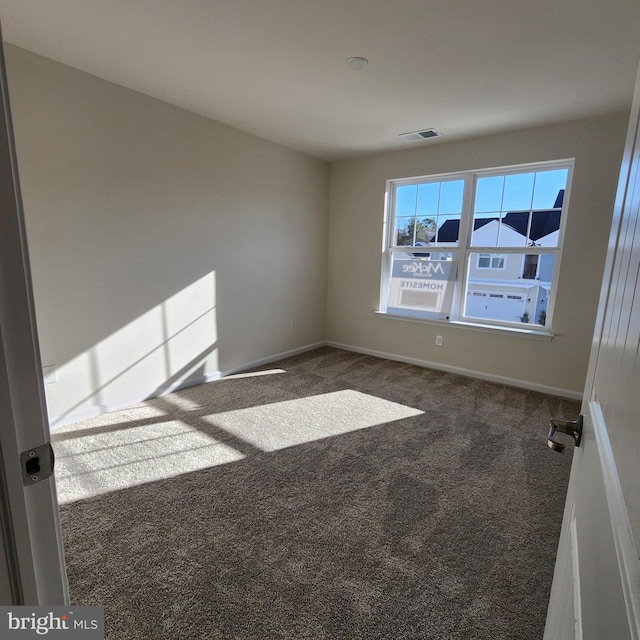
(355, 241)
(165, 247)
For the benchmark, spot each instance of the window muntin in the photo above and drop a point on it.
(427, 213)
(464, 216)
(518, 209)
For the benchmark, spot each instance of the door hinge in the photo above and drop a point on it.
(37, 464)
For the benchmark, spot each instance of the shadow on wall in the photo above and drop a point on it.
(172, 345)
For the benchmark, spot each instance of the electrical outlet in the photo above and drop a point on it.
(438, 341)
(294, 325)
(49, 374)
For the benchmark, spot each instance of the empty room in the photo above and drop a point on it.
(318, 319)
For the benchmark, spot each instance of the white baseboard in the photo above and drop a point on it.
(273, 358)
(481, 375)
(121, 403)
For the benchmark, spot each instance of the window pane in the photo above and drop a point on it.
(425, 229)
(510, 236)
(451, 193)
(518, 192)
(435, 205)
(485, 230)
(406, 199)
(518, 228)
(415, 232)
(523, 209)
(428, 196)
(489, 194)
(421, 284)
(404, 231)
(549, 184)
(545, 228)
(514, 288)
(448, 230)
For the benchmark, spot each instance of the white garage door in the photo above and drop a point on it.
(495, 306)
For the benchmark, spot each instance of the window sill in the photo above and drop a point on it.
(515, 332)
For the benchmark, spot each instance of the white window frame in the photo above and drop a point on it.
(461, 253)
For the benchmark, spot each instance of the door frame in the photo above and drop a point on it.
(32, 567)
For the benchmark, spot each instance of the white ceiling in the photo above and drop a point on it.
(276, 68)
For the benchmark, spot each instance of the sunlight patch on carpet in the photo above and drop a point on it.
(113, 460)
(279, 425)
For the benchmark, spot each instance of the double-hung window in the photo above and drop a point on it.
(480, 247)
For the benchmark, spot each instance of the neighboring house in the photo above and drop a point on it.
(507, 286)
(504, 286)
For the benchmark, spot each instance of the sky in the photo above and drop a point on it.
(494, 194)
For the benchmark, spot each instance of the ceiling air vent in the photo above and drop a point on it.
(416, 136)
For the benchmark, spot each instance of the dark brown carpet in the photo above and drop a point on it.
(439, 525)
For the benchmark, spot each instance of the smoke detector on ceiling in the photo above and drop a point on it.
(424, 134)
(357, 63)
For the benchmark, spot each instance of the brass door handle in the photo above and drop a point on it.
(570, 427)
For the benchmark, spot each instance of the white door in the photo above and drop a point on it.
(596, 584)
(31, 559)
